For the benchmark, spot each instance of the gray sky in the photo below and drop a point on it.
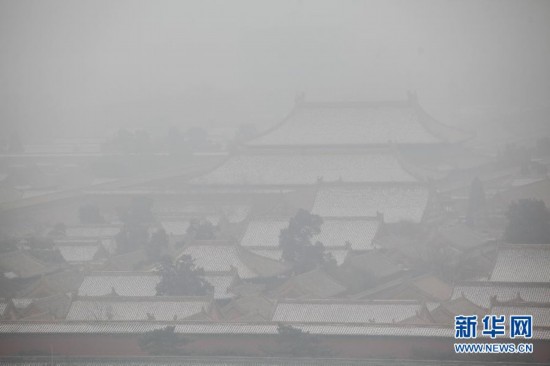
(81, 66)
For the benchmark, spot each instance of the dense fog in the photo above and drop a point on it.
(77, 67)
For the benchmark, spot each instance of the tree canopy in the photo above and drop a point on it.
(163, 341)
(295, 242)
(136, 217)
(298, 343)
(201, 229)
(182, 278)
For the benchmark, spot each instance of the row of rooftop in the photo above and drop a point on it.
(365, 168)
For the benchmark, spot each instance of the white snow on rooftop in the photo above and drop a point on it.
(359, 233)
(123, 284)
(396, 203)
(154, 309)
(374, 123)
(306, 169)
(522, 264)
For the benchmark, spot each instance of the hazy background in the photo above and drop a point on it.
(72, 68)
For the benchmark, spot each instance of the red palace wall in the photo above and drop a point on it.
(249, 345)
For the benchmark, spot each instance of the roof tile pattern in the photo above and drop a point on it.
(480, 293)
(221, 284)
(339, 255)
(334, 233)
(114, 309)
(92, 231)
(338, 312)
(78, 253)
(219, 258)
(352, 125)
(522, 264)
(396, 203)
(306, 169)
(541, 315)
(122, 284)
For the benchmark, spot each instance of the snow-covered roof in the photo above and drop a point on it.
(396, 203)
(226, 258)
(369, 123)
(152, 308)
(480, 293)
(123, 283)
(331, 311)
(359, 233)
(523, 263)
(295, 169)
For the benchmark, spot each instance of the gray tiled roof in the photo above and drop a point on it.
(219, 258)
(221, 284)
(99, 231)
(315, 284)
(271, 253)
(334, 233)
(345, 312)
(236, 213)
(359, 124)
(480, 293)
(78, 253)
(3, 307)
(522, 263)
(541, 315)
(225, 258)
(124, 284)
(306, 169)
(339, 254)
(22, 302)
(396, 203)
(359, 233)
(159, 308)
(18, 263)
(263, 233)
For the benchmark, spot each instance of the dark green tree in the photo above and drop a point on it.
(295, 242)
(528, 222)
(132, 237)
(295, 342)
(201, 229)
(157, 244)
(136, 218)
(182, 278)
(163, 341)
(139, 211)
